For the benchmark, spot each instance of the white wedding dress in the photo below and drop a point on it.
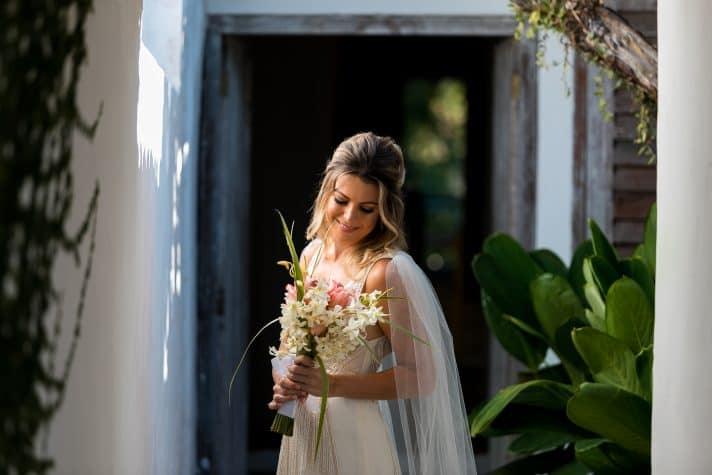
(424, 431)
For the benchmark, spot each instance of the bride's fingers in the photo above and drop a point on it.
(278, 398)
(287, 384)
(303, 360)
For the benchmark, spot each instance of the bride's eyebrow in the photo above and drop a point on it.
(347, 197)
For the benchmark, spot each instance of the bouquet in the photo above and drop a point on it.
(327, 324)
(322, 319)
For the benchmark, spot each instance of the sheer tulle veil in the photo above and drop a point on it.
(428, 420)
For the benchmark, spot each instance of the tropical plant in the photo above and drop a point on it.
(591, 411)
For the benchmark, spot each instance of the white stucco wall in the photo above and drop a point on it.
(555, 122)
(130, 403)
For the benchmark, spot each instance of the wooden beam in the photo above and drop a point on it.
(411, 25)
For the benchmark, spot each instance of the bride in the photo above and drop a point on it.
(397, 406)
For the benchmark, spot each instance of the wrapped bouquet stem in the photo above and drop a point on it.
(284, 420)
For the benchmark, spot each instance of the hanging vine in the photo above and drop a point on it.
(42, 49)
(606, 39)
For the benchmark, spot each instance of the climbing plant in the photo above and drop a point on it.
(606, 39)
(42, 49)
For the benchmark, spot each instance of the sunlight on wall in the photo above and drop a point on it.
(149, 113)
(554, 202)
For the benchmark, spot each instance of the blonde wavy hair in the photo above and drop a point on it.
(377, 160)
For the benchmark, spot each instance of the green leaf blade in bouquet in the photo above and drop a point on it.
(297, 269)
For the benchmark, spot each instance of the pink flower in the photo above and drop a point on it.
(339, 295)
(291, 293)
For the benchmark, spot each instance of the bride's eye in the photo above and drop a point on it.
(368, 210)
(340, 202)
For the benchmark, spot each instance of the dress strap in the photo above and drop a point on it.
(385, 255)
(313, 258)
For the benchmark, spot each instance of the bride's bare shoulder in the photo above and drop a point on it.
(376, 277)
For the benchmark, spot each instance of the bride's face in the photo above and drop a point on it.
(352, 209)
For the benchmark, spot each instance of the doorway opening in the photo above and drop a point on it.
(275, 106)
(308, 94)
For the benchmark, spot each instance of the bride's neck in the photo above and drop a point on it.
(334, 251)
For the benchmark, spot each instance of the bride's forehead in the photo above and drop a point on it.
(356, 188)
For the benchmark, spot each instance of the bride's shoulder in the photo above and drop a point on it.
(309, 251)
(376, 276)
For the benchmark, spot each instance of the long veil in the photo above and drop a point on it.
(428, 419)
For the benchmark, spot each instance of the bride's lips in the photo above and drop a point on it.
(345, 227)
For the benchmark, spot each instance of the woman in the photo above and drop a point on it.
(420, 424)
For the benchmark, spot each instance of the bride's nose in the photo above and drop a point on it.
(349, 214)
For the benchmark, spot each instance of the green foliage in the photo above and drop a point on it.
(592, 410)
(41, 52)
(564, 17)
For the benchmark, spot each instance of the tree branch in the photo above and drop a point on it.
(604, 36)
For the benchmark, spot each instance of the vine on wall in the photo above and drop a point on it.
(42, 49)
(606, 39)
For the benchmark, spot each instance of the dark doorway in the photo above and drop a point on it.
(308, 94)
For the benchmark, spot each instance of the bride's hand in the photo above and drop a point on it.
(283, 391)
(305, 375)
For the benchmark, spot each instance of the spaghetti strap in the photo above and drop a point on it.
(362, 282)
(312, 259)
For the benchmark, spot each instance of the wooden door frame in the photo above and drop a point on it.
(222, 241)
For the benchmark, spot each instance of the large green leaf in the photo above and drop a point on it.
(603, 273)
(650, 239)
(590, 453)
(533, 442)
(597, 315)
(601, 246)
(527, 349)
(573, 468)
(644, 369)
(547, 462)
(576, 278)
(524, 419)
(638, 270)
(554, 302)
(570, 358)
(537, 393)
(549, 262)
(616, 414)
(504, 270)
(606, 458)
(629, 316)
(555, 372)
(610, 360)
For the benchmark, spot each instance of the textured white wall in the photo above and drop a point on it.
(554, 190)
(682, 412)
(130, 405)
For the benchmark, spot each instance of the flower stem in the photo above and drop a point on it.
(283, 425)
